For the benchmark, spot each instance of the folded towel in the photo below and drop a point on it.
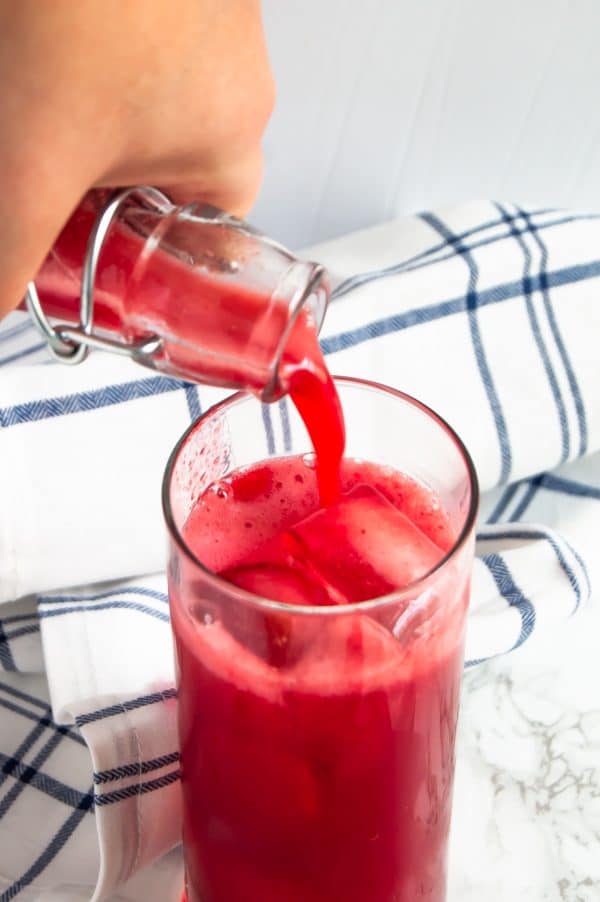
(486, 312)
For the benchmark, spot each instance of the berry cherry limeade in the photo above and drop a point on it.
(317, 749)
(317, 757)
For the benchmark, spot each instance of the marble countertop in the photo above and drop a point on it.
(526, 822)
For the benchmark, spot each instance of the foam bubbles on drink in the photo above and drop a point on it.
(221, 489)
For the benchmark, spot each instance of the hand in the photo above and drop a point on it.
(173, 93)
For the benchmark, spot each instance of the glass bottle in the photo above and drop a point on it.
(189, 291)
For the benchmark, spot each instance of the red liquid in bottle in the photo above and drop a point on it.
(317, 755)
(213, 328)
(221, 321)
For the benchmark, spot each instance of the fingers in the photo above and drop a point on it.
(198, 135)
(28, 228)
(41, 182)
(183, 105)
(233, 188)
(45, 166)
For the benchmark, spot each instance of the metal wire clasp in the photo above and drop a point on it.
(70, 344)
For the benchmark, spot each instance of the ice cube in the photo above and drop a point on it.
(278, 582)
(274, 636)
(348, 655)
(362, 546)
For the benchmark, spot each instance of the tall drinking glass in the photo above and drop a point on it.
(328, 775)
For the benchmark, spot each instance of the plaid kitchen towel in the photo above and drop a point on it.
(487, 312)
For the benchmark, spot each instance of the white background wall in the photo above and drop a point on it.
(391, 106)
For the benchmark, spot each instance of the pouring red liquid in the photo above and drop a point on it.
(317, 754)
(230, 307)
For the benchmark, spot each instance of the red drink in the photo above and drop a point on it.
(317, 758)
(317, 730)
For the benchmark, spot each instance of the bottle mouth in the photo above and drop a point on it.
(232, 250)
(306, 289)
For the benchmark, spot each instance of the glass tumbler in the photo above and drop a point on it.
(329, 776)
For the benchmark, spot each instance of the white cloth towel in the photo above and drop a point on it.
(486, 312)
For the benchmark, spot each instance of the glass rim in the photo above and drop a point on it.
(371, 604)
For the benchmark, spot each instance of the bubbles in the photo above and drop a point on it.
(221, 489)
(310, 460)
(203, 614)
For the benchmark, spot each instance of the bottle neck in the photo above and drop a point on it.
(229, 306)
